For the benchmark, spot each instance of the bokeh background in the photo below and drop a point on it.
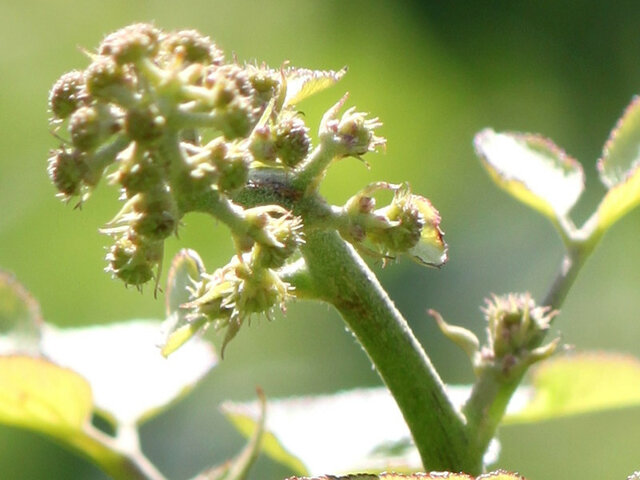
(435, 73)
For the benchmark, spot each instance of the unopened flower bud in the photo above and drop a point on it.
(67, 94)
(193, 47)
(263, 145)
(236, 119)
(66, 169)
(139, 171)
(516, 325)
(105, 79)
(157, 215)
(233, 172)
(292, 141)
(287, 231)
(144, 125)
(132, 260)
(131, 44)
(88, 126)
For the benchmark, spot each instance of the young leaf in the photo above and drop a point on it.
(581, 383)
(20, 318)
(618, 167)
(186, 268)
(532, 169)
(302, 83)
(129, 377)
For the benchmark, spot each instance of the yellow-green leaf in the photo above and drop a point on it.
(42, 396)
(532, 169)
(619, 167)
(20, 318)
(581, 383)
(302, 83)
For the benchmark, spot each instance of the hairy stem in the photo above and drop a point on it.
(492, 391)
(341, 278)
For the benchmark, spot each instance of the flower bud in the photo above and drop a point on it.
(139, 171)
(157, 215)
(292, 141)
(133, 260)
(105, 79)
(233, 172)
(67, 94)
(262, 145)
(516, 325)
(131, 43)
(193, 47)
(88, 126)
(144, 125)
(66, 169)
(287, 231)
(236, 119)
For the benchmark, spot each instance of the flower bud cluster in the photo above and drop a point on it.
(408, 225)
(173, 121)
(353, 134)
(515, 329)
(249, 284)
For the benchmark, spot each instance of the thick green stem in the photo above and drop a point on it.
(308, 174)
(341, 278)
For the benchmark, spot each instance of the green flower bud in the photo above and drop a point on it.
(266, 84)
(192, 47)
(66, 169)
(131, 43)
(262, 145)
(107, 80)
(236, 119)
(144, 125)
(139, 171)
(157, 215)
(287, 231)
(133, 260)
(516, 325)
(353, 134)
(233, 172)
(67, 94)
(88, 126)
(292, 141)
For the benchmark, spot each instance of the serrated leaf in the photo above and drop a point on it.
(178, 328)
(532, 169)
(582, 383)
(302, 83)
(618, 167)
(130, 379)
(20, 318)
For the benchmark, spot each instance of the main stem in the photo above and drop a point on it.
(341, 278)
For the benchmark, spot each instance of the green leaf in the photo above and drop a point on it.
(618, 168)
(302, 83)
(20, 318)
(581, 383)
(130, 379)
(178, 328)
(532, 169)
(41, 396)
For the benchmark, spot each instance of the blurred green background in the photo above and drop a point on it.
(435, 73)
